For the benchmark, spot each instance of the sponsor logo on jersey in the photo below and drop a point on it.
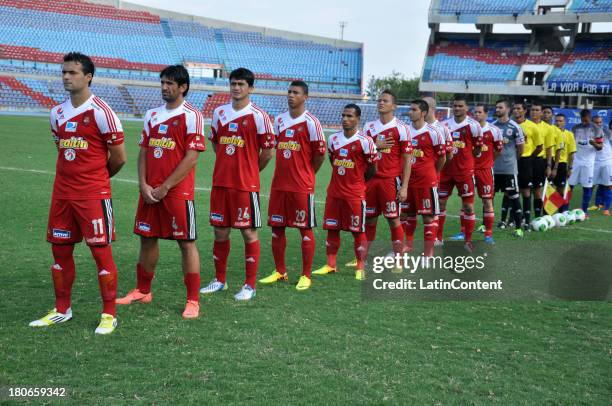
(414, 142)
(276, 218)
(418, 153)
(177, 233)
(163, 129)
(69, 154)
(290, 145)
(331, 222)
(370, 210)
(216, 217)
(74, 143)
(60, 111)
(144, 226)
(506, 140)
(509, 131)
(456, 134)
(59, 233)
(163, 142)
(95, 240)
(287, 154)
(343, 152)
(71, 126)
(158, 152)
(458, 144)
(484, 148)
(233, 127)
(345, 163)
(85, 120)
(289, 133)
(230, 149)
(233, 140)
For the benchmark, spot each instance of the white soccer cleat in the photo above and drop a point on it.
(53, 317)
(245, 293)
(213, 286)
(108, 324)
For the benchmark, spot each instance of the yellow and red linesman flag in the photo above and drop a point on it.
(552, 199)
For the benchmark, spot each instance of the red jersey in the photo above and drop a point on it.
(297, 141)
(444, 133)
(466, 135)
(82, 136)
(350, 157)
(239, 135)
(427, 147)
(390, 159)
(167, 136)
(492, 140)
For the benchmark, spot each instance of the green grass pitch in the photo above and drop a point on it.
(322, 346)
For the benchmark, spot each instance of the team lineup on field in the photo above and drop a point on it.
(389, 168)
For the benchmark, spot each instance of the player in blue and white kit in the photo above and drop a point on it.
(602, 174)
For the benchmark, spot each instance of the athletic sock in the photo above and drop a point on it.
(251, 262)
(308, 250)
(488, 219)
(469, 220)
(517, 212)
(221, 250)
(461, 223)
(587, 193)
(600, 196)
(440, 228)
(504, 208)
(370, 235)
(192, 283)
(537, 207)
(359, 247)
(332, 245)
(397, 239)
(527, 210)
(279, 243)
(63, 274)
(429, 235)
(107, 276)
(409, 226)
(143, 279)
(608, 198)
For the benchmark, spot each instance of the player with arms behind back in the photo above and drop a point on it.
(171, 141)
(300, 151)
(89, 140)
(353, 158)
(243, 139)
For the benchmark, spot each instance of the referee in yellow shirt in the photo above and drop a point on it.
(566, 147)
(542, 165)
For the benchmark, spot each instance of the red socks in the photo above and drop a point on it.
(429, 235)
(359, 246)
(409, 228)
(332, 245)
(397, 239)
(308, 250)
(221, 251)
(251, 261)
(468, 221)
(441, 221)
(192, 283)
(63, 274)
(488, 220)
(107, 276)
(279, 243)
(143, 279)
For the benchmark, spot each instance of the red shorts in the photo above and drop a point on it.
(464, 183)
(291, 209)
(170, 219)
(346, 215)
(234, 208)
(421, 200)
(484, 183)
(71, 220)
(381, 197)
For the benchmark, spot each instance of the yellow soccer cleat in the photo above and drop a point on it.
(107, 325)
(53, 317)
(304, 283)
(274, 277)
(360, 274)
(397, 269)
(324, 270)
(351, 264)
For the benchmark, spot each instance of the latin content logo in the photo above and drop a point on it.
(233, 140)
(164, 142)
(74, 143)
(344, 163)
(289, 145)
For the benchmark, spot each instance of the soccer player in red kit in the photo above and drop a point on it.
(428, 157)
(300, 151)
(492, 146)
(466, 135)
(353, 158)
(243, 139)
(89, 140)
(171, 141)
(389, 186)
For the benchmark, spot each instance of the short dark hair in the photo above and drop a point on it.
(547, 108)
(460, 97)
(390, 93)
(178, 74)
(484, 107)
(423, 106)
(585, 112)
(354, 107)
(84, 60)
(243, 74)
(537, 103)
(560, 115)
(300, 83)
(505, 101)
(520, 102)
